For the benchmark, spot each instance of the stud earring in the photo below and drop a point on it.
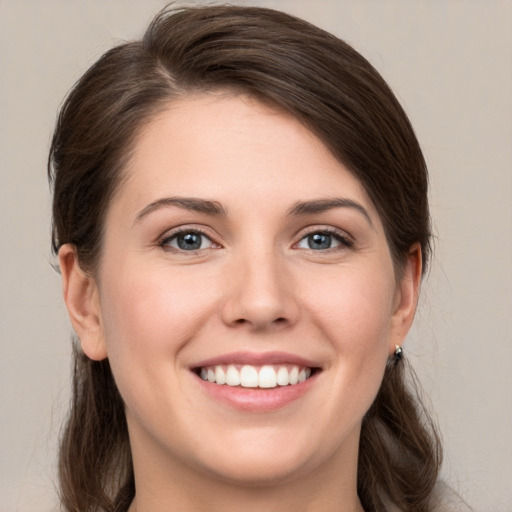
(399, 353)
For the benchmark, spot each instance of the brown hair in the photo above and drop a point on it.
(337, 94)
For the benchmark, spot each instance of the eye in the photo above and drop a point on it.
(323, 240)
(187, 241)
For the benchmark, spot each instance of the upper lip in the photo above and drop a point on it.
(257, 359)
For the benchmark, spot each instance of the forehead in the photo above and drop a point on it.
(233, 148)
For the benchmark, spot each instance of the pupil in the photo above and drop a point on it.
(319, 241)
(189, 241)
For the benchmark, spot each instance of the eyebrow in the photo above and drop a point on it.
(323, 205)
(187, 203)
(215, 208)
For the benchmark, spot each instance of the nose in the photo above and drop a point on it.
(260, 294)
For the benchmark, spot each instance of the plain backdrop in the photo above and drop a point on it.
(450, 64)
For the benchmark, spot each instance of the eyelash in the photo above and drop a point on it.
(345, 242)
(165, 241)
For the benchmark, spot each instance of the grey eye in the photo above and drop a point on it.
(319, 241)
(188, 241)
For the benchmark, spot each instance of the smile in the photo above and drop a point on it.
(249, 376)
(256, 382)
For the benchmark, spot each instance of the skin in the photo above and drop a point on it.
(255, 285)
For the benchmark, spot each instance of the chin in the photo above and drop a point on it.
(260, 472)
(262, 462)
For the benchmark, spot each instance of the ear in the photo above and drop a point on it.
(82, 301)
(406, 298)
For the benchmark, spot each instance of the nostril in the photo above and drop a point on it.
(280, 320)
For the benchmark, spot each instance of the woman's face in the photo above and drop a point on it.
(240, 249)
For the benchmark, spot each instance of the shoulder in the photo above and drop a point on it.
(445, 499)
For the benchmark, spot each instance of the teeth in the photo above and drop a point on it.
(283, 376)
(267, 377)
(248, 376)
(232, 376)
(220, 376)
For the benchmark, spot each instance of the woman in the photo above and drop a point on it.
(241, 220)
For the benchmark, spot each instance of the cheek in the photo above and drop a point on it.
(350, 312)
(354, 308)
(354, 313)
(150, 314)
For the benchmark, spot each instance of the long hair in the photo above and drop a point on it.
(329, 87)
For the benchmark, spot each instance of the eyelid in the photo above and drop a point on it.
(346, 239)
(187, 228)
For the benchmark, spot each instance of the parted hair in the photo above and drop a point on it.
(337, 94)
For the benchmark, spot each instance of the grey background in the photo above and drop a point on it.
(450, 64)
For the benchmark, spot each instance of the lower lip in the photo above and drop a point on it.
(257, 399)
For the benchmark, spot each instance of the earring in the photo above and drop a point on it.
(399, 353)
